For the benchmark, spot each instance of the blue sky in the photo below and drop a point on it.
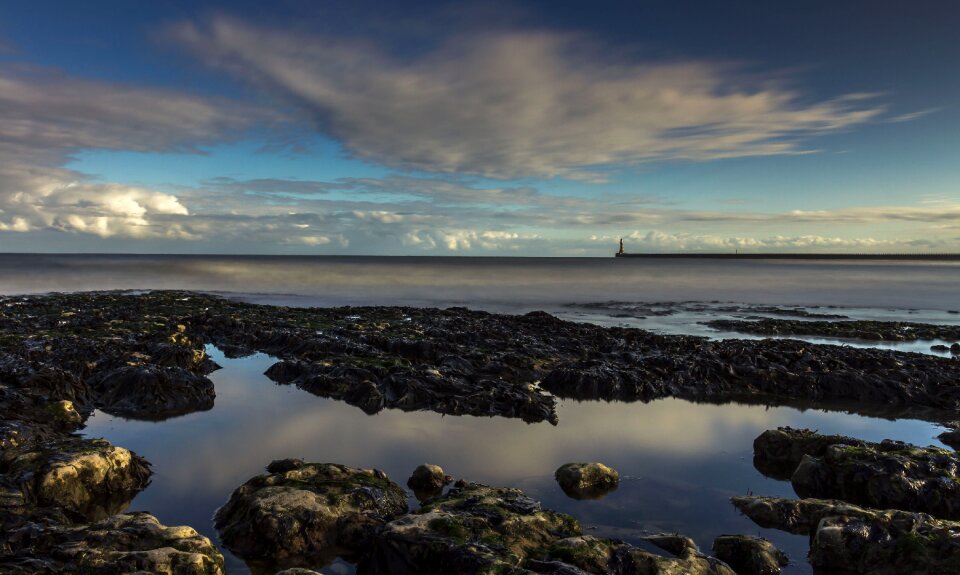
(516, 128)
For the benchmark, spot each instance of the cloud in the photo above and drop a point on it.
(511, 104)
(466, 240)
(656, 240)
(44, 115)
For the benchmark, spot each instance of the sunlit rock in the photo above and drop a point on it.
(87, 478)
(303, 513)
(749, 555)
(587, 480)
(121, 544)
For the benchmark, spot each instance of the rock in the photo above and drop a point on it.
(428, 481)
(121, 544)
(297, 571)
(955, 349)
(88, 478)
(152, 392)
(778, 452)
(845, 538)
(587, 480)
(473, 529)
(889, 475)
(850, 329)
(749, 555)
(307, 513)
(951, 437)
(940, 348)
(605, 556)
(64, 415)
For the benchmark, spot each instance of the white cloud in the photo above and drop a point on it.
(507, 104)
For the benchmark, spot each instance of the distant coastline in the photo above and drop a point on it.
(792, 256)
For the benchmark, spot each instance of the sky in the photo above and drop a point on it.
(479, 128)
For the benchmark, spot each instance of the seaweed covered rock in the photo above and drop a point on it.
(847, 538)
(889, 475)
(609, 557)
(749, 555)
(951, 437)
(121, 544)
(473, 529)
(587, 480)
(778, 452)
(87, 478)
(152, 391)
(302, 513)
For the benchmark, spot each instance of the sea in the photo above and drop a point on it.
(679, 461)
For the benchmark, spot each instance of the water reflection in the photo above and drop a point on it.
(679, 462)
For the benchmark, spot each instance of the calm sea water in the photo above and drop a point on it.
(680, 462)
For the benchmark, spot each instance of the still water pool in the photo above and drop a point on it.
(679, 462)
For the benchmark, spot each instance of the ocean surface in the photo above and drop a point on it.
(680, 462)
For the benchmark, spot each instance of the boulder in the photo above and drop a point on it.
(749, 555)
(121, 544)
(778, 452)
(587, 480)
(428, 481)
(88, 478)
(473, 529)
(610, 557)
(304, 513)
(152, 392)
(846, 538)
(889, 475)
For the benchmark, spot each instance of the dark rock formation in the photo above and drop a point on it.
(749, 555)
(122, 544)
(861, 329)
(891, 475)
(152, 392)
(587, 480)
(778, 452)
(846, 538)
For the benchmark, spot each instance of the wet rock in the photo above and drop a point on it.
(951, 437)
(955, 349)
(778, 452)
(860, 329)
(297, 571)
(152, 392)
(121, 544)
(845, 538)
(890, 475)
(64, 415)
(472, 529)
(88, 478)
(940, 348)
(306, 513)
(605, 556)
(428, 481)
(749, 555)
(587, 480)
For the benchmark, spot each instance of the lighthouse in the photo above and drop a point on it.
(620, 253)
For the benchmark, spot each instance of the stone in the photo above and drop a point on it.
(587, 480)
(778, 452)
(118, 545)
(846, 538)
(472, 529)
(428, 481)
(749, 555)
(88, 478)
(307, 513)
(152, 392)
(889, 475)
(610, 557)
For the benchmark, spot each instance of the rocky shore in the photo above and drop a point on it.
(847, 329)
(142, 356)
